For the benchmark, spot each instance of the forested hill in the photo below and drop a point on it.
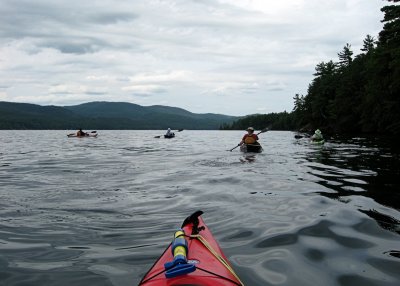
(105, 115)
(354, 94)
(273, 121)
(361, 93)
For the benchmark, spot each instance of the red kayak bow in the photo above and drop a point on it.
(193, 258)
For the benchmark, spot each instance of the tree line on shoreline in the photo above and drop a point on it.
(104, 116)
(356, 94)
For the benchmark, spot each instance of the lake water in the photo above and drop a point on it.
(99, 211)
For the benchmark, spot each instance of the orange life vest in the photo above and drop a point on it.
(250, 139)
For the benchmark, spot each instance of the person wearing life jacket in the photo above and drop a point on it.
(81, 133)
(250, 137)
(169, 133)
(317, 136)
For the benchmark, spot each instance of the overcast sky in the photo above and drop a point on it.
(224, 56)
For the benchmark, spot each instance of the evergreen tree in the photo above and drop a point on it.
(390, 33)
(368, 44)
(381, 110)
(345, 56)
(323, 69)
(299, 110)
(320, 93)
(361, 93)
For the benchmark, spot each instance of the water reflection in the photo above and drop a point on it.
(99, 212)
(351, 169)
(248, 158)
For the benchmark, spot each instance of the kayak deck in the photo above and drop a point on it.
(253, 148)
(76, 136)
(320, 142)
(212, 267)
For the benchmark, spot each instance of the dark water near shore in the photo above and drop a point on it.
(99, 211)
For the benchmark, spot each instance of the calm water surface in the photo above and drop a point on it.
(99, 211)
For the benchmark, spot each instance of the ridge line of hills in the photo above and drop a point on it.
(107, 116)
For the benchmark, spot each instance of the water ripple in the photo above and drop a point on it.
(100, 211)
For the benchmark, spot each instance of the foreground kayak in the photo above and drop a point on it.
(169, 136)
(88, 135)
(254, 148)
(193, 258)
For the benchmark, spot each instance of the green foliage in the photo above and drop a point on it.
(104, 115)
(345, 56)
(273, 121)
(368, 44)
(360, 94)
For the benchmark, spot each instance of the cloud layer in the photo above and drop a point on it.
(225, 56)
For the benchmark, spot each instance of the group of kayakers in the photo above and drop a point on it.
(249, 138)
(252, 139)
(81, 133)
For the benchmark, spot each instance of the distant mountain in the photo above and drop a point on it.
(105, 115)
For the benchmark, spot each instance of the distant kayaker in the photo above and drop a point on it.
(250, 137)
(317, 136)
(169, 132)
(81, 133)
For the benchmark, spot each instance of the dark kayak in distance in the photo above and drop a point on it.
(85, 136)
(251, 148)
(193, 258)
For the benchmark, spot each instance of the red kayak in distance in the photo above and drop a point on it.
(193, 258)
(91, 134)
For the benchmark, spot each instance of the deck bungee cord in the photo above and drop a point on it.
(192, 258)
(219, 257)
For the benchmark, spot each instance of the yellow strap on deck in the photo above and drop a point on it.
(216, 254)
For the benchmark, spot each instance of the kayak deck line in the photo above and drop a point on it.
(204, 262)
(155, 275)
(219, 257)
(251, 148)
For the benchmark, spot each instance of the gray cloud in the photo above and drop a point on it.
(75, 29)
(142, 94)
(204, 55)
(95, 93)
(113, 18)
(73, 45)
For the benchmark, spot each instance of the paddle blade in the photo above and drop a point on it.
(93, 132)
(264, 130)
(179, 130)
(157, 136)
(193, 218)
(234, 148)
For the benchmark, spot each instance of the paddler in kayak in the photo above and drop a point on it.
(250, 137)
(169, 134)
(80, 133)
(317, 137)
